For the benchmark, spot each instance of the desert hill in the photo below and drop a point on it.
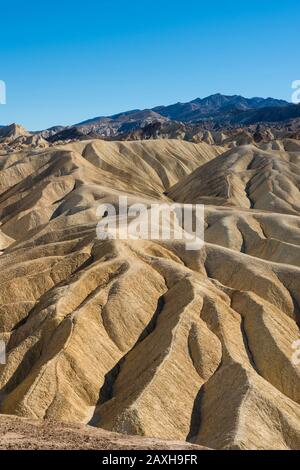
(248, 177)
(144, 337)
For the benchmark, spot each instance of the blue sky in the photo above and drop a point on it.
(64, 62)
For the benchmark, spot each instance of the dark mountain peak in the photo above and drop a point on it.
(215, 105)
(214, 110)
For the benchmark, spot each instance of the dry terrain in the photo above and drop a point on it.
(27, 434)
(144, 337)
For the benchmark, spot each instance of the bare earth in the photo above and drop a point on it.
(25, 434)
(143, 337)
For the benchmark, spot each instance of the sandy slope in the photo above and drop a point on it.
(144, 337)
(27, 434)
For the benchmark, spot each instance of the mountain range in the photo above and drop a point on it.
(180, 120)
(217, 119)
(217, 107)
(210, 112)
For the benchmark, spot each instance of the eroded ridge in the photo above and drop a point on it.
(144, 337)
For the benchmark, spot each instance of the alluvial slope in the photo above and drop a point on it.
(144, 337)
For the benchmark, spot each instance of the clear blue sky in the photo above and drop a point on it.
(64, 61)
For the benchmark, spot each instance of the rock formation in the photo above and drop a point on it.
(144, 337)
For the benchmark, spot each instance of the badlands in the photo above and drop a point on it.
(144, 338)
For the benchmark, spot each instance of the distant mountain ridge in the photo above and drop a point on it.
(212, 107)
(215, 111)
(180, 120)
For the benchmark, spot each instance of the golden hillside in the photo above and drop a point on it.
(144, 337)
